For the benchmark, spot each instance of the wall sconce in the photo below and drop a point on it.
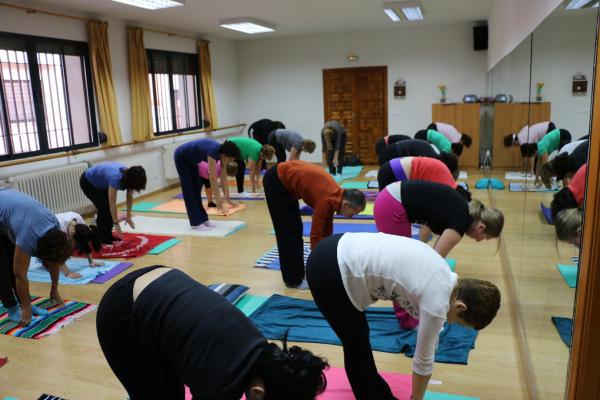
(352, 57)
(579, 84)
(400, 89)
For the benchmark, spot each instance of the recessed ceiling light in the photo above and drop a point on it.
(152, 4)
(247, 25)
(409, 10)
(576, 4)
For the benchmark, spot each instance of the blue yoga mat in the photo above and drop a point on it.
(306, 324)
(342, 228)
(564, 326)
(37, 273)
(569, 274)
(520, 187)
(547, 213)
(347, 173)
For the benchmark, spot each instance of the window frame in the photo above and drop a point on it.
(38, 97)
(198, 92)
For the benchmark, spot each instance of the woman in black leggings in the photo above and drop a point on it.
(160, 330)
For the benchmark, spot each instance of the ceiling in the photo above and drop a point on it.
(291, 17)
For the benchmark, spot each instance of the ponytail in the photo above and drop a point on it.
(491, 217)
(291, 373)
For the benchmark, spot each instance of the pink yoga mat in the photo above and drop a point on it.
(338, 387)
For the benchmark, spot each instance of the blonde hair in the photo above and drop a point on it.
(267, 152)
(327, 133)
(491, 217)
(309, 146)
(567, 223)
(231, 168)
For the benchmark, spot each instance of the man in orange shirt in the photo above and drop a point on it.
(285, 184)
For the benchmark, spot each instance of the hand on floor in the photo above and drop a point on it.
(74, 275)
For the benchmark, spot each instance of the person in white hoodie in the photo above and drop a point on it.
(348, 272)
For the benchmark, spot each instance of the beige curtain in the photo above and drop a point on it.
(208, 95)
(141, 106)
(108, 113)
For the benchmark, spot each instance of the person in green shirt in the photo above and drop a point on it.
(440, 141)
(552, 141)
(253, 153)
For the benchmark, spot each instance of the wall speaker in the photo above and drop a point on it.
(480, 37)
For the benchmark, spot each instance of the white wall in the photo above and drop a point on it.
(561, 48)
(511, 21)
(282, 78)
(225, 78)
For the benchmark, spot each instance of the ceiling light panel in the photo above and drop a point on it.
(409, 10)
(576, 4)
(250, 26)
(152, 4)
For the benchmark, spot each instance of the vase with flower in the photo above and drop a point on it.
(442, 89)
(538, 91)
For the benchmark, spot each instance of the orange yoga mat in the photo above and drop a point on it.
(178, 206)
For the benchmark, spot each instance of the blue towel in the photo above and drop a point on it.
(564, 326)
(37, 272)
(306, 324)
(348, 173)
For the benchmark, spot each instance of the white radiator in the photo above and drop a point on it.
(168, 151)
(58, 189)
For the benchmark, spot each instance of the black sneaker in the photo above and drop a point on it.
(212, 204)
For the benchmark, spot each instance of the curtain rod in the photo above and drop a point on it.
(30, 10)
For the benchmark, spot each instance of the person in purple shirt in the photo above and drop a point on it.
(187, 157)
(101, 183)
(28, 229)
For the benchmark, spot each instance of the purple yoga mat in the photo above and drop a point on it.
(112, 273)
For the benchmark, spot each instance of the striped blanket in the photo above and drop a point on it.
(48, 325)
(272, 257)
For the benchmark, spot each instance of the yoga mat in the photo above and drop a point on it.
(463, 175)
(373, 185)
(372, 174)
(354, 185)
(340, 227)
(144, 206)
(49, 397)
(270, 260)
(37, 272)
(306, 324)
(133, 244)
(547, 213)
(518, 176)
(338, 387)
(234, 196)
(249, 303)
(3, 361)
(348, 172)
(164, 246)
(529, 187)
(569, 274)
(178, 207)
(112, 273)
(180, 226)
(40, 327)
(564, 326)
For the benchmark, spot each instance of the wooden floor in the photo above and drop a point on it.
(70, 363)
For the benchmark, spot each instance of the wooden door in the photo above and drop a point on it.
(466, 118)
(511, 118)
(357, 98)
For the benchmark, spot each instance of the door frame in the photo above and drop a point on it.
(382, 68)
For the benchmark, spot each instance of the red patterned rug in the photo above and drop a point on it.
(132, 245)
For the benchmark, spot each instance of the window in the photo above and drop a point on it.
(173, 79)
(46, 98)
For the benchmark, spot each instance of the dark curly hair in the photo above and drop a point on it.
(451, 161)
(84, 237)
(457, 148)
(229, 149)
(54, 247)
(466, 140)
(508, 140)
(529, 149)
(290, 374)
(134, 178)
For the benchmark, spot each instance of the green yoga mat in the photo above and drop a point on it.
(164, 246)
(144, 206)
(354, 185)
(569, 274)
(249, 303)
(444, 396)
(451, 263)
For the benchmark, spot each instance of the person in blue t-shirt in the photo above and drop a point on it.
(28, 229)
(187, 157)
(101, 183)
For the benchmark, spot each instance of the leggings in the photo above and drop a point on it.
(99, 197)
(341, 155)
(142, 375)
(240, 174)
(7, 275)
(390, 172)
(279, 149)
(285, 215)
(191, 186)
(390, 215)
(349, 324)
